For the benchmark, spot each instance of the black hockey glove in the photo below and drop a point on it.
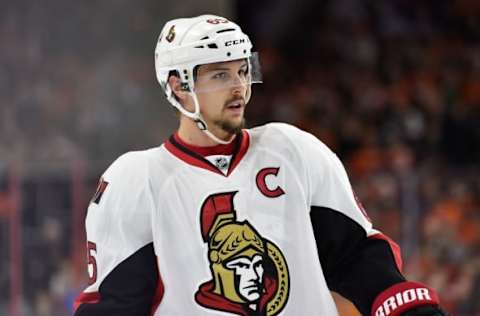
(407, 299)
(426, 310)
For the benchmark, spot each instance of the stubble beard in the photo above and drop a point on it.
(230, 127)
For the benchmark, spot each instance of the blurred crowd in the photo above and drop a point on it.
(72, 84)
(393, 87)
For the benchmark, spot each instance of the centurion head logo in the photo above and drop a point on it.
(249, 272)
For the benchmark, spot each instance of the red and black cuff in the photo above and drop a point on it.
(402, 297)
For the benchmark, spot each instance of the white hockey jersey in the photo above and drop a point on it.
(231, 235)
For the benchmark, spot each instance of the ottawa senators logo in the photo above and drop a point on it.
(249, 273)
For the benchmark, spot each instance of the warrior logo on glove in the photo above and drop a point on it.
(249, 272)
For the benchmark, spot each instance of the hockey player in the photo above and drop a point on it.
(221, 220)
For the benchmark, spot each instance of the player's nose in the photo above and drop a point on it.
(238, 86)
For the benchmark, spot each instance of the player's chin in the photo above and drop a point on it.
(237, 122)
(232, 126)
(234, 117)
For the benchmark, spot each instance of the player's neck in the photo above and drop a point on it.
(189, 132)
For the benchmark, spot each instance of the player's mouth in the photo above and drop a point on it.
(236, 106)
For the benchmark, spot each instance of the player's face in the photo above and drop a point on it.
(221, 90)
(248, 276)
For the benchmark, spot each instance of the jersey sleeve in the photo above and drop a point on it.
(121, 263)
(358, 261)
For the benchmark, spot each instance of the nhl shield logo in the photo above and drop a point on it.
(249, 272)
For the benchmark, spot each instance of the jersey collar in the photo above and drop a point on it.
(194, 155)
(219, 149)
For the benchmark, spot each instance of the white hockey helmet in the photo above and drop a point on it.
(186, 43)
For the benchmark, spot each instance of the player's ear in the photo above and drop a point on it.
(180, 94)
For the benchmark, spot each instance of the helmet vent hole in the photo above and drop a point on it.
(228, 54)
(201, 46)
(213, 45)
(225, 30)
(204, 38)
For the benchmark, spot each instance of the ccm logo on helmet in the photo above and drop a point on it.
(217, 21)
(235, 42)
(399, 299)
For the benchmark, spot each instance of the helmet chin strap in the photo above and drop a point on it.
(196, 116)
(202, 125)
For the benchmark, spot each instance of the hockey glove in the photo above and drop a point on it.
(407, 299)
(426, 310)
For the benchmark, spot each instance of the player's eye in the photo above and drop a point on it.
(220, 75)
(242, 72)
